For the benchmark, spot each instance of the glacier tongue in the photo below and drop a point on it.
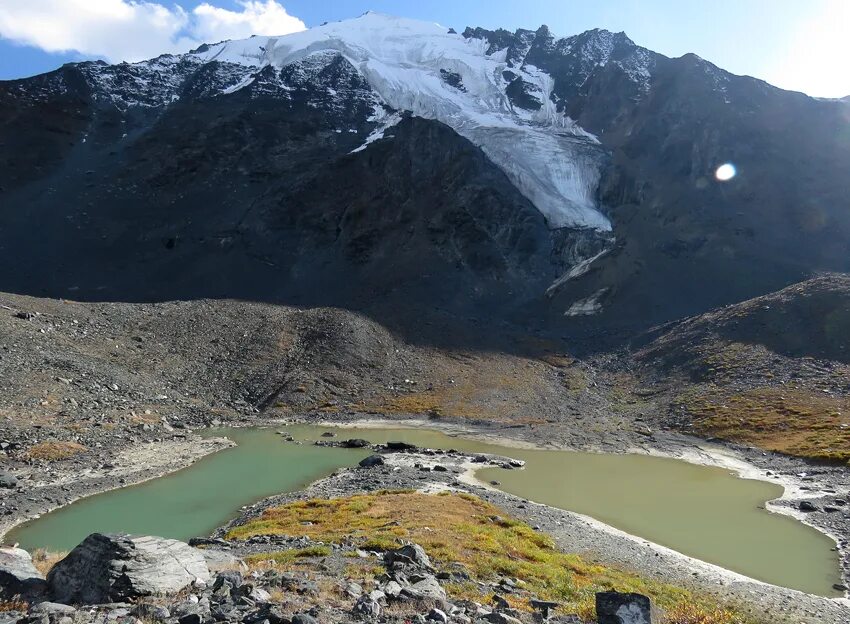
(422, 68)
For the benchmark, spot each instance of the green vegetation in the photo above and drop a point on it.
(791, 420)
(462, 530)
(284, 557)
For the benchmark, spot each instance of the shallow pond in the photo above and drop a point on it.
(707, 513)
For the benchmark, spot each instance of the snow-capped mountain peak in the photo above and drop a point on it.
(435, 73)
(507, 93)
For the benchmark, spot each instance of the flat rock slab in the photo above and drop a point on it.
(119, 567)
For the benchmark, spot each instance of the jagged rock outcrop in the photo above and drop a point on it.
(115, 568)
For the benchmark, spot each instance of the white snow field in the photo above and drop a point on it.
(545, 154)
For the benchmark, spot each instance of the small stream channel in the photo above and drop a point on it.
(707, 513)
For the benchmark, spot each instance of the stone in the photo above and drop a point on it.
(426, 588)
(18, 575)
(303, 618)
(353, 590)
(230, 578)
(258, 595)
(377, 595)
(392, 589)
(367, 607)
(371, 461)
(501, 618)
(355, 443)
(808, 506)
(623, 608)
(411, 554)
(152, 612)
(8, 480)
(117, 567)
(544, 606)
(219, 560)
(436, 615)
(53, 609)
(839, 587)
(266, 614)
(400, 446)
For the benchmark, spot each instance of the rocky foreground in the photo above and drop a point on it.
(122, 578)
(402, 537)
(97, 396)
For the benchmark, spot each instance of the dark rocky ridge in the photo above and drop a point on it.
(151, 182)
(686, 243)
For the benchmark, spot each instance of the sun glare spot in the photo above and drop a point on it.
(725, 172)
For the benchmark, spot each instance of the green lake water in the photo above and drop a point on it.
(707, 513)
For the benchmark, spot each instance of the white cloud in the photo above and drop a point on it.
(256, 18)
(816, 57)
(132, 30)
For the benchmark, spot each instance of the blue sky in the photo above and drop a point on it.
(796, 44)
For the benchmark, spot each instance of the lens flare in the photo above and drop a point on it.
(725, 172)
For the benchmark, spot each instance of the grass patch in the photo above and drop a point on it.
(463, 529)
(285, 557)
(54, 450)
(13, 604)
(790, 420)
(44, 560)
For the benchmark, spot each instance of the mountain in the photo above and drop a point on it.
(398, 167)
(771, 371)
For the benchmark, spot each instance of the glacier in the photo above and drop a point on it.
(545, 154)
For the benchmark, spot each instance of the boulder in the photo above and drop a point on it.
(8, 480)
(367, 608)
(808, 506)
(371, 461)
(543, 606)
(18, 575)
(426, 588)
(119, 567)
(230, 579)
(617, 608)
(500, 618)
(392, 589)
(355, 443)
(411, 554)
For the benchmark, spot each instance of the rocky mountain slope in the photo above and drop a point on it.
(385, 164)
(772, 371)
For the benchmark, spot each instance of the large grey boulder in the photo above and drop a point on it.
(18, 575)
(409, 555)
(617, 608)
(426, 588)
(119, 567)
